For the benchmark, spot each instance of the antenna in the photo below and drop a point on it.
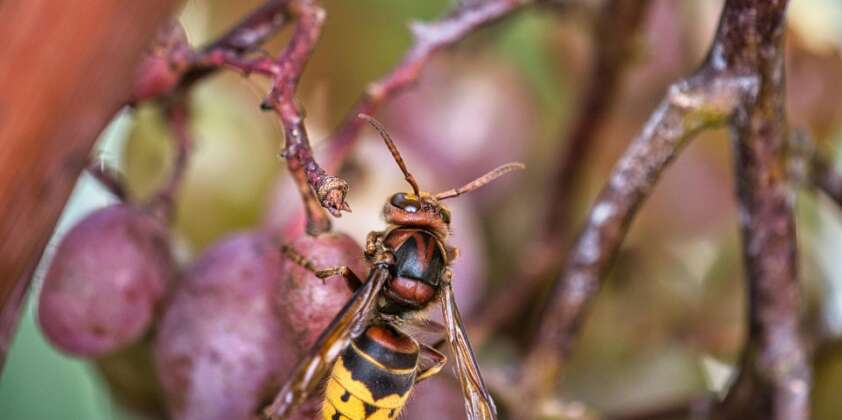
(479, 182)
(394, 149)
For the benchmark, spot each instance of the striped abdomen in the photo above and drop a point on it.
(373, 377)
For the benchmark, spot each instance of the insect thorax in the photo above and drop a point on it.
(416, 274)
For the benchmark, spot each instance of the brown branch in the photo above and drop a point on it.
(306, 172)
(50, 119)
(614, 42)
(229, 50)
(704, 100)
(428, 39)
(253, 30)
(741, 80)
(232, 50)
(773, 382)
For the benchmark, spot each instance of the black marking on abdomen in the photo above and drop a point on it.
(385, 356)
(336, 414)
(381, 382)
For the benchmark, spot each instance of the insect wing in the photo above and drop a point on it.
(478, 402)
(349, 323)
(425, 331)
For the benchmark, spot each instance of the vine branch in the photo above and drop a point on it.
(704, 100)
(307, 174)
(228, 50)
(234, 50)
(773, 382)
(741, 82)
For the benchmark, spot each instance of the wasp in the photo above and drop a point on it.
(367, 354)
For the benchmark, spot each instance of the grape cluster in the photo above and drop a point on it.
(224, 331)
(212, 338)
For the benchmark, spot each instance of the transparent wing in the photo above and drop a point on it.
(349, 323)
(478, 402)
(424, 330)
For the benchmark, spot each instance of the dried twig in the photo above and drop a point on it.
(429, 38)
(773, 382)
(704, 100)
(306, 172)
(230, 49)
(252, 31)
(233, 50)
(614, 41)
(741, 80)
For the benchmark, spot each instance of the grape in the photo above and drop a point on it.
(221, 350)
(105, 281)
(307, 303)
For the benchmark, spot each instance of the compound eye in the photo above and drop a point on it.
(405, 203)
(445, 216)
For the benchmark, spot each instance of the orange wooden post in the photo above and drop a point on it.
(65, 68)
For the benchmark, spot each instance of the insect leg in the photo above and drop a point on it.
(439, 361)
(353, 281)
(374, 243)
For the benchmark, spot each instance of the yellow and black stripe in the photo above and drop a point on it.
(373, 377)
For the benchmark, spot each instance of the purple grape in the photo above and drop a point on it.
(307, 303)
(104, 284)
(221, 349)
